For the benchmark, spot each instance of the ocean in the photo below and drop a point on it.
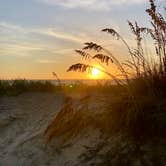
(82, 81)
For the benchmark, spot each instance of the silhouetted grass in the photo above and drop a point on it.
(136, 105)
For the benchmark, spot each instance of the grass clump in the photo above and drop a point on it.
(136, 103)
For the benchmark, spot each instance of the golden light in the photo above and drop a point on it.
(95, 73)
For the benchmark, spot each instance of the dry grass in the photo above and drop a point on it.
(70, 121)
(141, 67)
(117, 114)
(138, 106)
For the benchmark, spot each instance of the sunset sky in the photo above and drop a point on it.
(38, 37)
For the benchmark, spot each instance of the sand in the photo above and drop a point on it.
(24, 118)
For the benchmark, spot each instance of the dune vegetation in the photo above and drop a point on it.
(136, 103)
(18, 86)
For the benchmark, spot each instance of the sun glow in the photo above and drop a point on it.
(95, 73)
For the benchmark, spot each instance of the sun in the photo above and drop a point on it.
(95, 72)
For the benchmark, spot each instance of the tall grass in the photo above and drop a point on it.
(143, 71)
(139, 105)
(137, 62)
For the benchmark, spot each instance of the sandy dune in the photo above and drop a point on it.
(24, 118)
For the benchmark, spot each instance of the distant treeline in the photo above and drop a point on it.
(15, 87)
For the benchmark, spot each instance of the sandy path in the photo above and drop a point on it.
(23, 120)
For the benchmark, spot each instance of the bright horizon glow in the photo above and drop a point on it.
(95, 73)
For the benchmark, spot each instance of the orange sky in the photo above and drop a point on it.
(40, 36)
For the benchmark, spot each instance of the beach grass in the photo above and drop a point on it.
(136, 105)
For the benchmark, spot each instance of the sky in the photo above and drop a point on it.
(38, 37)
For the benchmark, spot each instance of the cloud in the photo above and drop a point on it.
(46, 61)
(52, 32)
(4, 26)
(61, 35)
(92, 4)
(28, 41)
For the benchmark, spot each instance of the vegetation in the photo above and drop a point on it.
(141, 67)
(138, 103)
(16, 87)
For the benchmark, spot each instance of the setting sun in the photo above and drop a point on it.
(95, 72)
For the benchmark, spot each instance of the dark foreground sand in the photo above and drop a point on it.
(24, 118)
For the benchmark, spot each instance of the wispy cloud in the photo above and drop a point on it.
(52, 32)
(46, 61)
(61, 35)
(24, 41)
(92, 4)
(8, 27)
(37, 42)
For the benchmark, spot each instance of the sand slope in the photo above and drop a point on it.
(24, 118)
